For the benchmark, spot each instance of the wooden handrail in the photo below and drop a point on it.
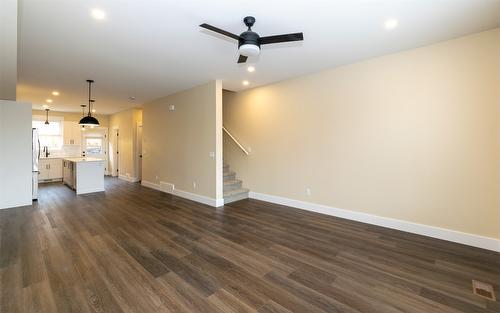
(236, 141)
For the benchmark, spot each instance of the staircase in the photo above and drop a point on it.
(233, 190)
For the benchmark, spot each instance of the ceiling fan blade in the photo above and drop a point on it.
(242, 59)
(281, 38)
(220, 31)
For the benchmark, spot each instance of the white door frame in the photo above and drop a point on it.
(115, 150)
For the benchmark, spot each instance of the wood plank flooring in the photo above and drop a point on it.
(133, 249)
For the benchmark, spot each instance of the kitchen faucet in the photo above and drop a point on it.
(46, 151)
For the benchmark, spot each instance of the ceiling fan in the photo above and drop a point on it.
(249, 42)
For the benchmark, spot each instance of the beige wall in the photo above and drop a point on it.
(177, 144)
(73, 117)
(413, 136)
(126, 123)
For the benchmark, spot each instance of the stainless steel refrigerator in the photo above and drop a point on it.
(35, 159)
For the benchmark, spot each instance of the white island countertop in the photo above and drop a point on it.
(82, 159)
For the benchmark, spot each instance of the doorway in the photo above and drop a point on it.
(139, 151)
(114, 152)
(95, 144)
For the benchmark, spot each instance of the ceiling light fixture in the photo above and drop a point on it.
(47, 116)
(45, 106)
(249, 42)
(93, 110)
(89, 120)
(55, 93)
(251, 69)
(48, 100)
(391, 23)
(245, 83)
(98, 14)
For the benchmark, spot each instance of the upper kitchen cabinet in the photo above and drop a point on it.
(72, 133)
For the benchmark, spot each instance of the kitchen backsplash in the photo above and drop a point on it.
(66, 151)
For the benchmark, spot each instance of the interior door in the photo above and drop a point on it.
(139, 152)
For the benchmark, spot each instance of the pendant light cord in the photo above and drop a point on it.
(90, 84)
(90, 96)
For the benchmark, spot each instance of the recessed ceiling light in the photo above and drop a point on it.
(55, 93)
(48, 100)
(98, 14)
(391, 23)
(245, 83)
(251, 69)
(45, 106)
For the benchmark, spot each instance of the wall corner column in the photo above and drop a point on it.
(219, 180)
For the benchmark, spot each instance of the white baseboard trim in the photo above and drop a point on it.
(16, 204)
(219, 202)
(420, 229)
(91, 190)
(129, 179)
(151, 185)
(185, 194)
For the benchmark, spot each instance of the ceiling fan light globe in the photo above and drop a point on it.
(249, 50)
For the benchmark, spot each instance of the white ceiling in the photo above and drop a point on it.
(149, 49)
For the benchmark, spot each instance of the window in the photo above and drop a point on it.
(50, 135)
(93, 145)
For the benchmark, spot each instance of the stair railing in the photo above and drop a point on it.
(236, 141)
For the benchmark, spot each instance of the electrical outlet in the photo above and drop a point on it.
(194, 185)
(211, 154)
(171, 107)
(308, 191)
(156, 178)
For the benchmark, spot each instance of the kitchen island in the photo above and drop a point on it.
(84, 175)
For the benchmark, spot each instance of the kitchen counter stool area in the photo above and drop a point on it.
(84, 175)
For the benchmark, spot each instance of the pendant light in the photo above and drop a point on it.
(89, 120)
(47, 116)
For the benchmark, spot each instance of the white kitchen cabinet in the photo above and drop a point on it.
(72, 133)
(50, 170)
(56, 171)
(43, 168)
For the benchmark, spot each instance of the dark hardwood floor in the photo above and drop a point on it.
(134, 249)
